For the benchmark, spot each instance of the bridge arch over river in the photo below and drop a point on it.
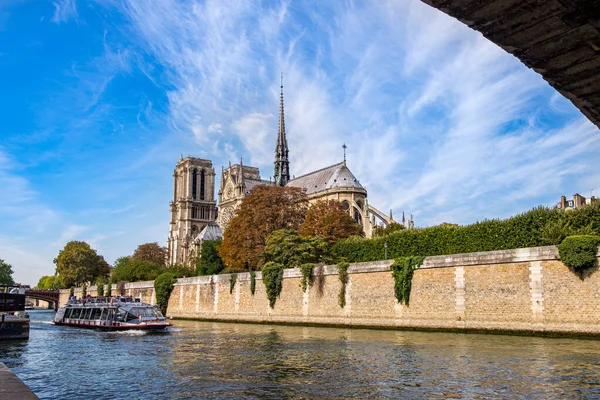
(50, 296)
(559, 39)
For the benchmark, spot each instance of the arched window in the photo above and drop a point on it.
(202, 185)
(194, 212)
(357, 217)
(194, 185)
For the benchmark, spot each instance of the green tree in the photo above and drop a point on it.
(152, 252)
(129, 269)
(288, 248)
(265, 210)
(209, 262)
(77, 263)
(6, 272)
(329, 220)
(390, 228)
(51, 282)
(163, 286)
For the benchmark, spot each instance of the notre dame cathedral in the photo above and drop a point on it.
(194, 213)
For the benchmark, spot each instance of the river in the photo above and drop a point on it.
(222, 360)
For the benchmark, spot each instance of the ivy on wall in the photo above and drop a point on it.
(343, 276)
(307, 279)
(402, 271)
(272, 276)
(252, 282)
(232, 279)
(163, 286)
(579, 252)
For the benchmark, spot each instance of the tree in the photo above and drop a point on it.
(328, 219)
(209, 262)
(129, 269)
(265, 210)
(288, 248)
(390, 228)
(51, 282)
(78, 263)
(150, 252)
(6, 272)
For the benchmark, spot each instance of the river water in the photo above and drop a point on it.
(218, 360)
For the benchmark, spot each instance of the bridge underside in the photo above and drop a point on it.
(560, 39)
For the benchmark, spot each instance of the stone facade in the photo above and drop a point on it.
(522, 290)
(193, 206)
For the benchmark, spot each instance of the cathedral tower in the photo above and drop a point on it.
(193, 206)
(282, 165)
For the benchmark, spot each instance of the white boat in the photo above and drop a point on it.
(111, 314)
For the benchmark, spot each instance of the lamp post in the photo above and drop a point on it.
(385, 247)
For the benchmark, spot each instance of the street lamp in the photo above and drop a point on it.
(385, 247)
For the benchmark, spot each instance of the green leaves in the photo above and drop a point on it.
(77, 263)
(163, 286)
(272, 276)
(402, 271)
(343, 276)
(579, 252)
(6, 273)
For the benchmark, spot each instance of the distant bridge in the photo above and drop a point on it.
(51, 296)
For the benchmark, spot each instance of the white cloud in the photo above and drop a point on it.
(64, 10)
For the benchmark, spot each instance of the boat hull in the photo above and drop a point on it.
(13, 328)
(120, 327)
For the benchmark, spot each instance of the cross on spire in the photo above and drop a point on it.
(344, 147)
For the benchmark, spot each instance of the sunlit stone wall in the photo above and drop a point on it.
(525, 290)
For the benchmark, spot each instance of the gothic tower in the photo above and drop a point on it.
(282, 165)
(193, 206)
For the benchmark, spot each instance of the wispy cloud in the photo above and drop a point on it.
(64, 10)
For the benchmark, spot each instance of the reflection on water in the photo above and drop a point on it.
(212, 360)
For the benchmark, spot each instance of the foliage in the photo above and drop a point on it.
(181, 271)
(328, 219)
(307, 280)
(100, 289)
(252, 282)
(51, 282)
(77, 263)
(232, 279)
(152, 252)
(6, 272)
(163, 286)
(209, 262)
(523, 230)
(71, 291)
(133, 270)
(579, 252)
(288, 248)
(390, 228)
(272, 276)
(402, 271)
(108, 290)
(84, 291)
(265, 210)
(343, 275)
(555, 231)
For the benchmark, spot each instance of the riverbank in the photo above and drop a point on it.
(11, 386)
(521, 291)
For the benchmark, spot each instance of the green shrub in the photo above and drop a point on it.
(232, 279)
(163, 286)
(71, 291)
(307, 280)
(83, 291)
(209, 262)
(109, 290)
(272, 275)
(402, 271)
(523, 230)
(100, 290)
(252, 282)
(343, 275)
(579, 252)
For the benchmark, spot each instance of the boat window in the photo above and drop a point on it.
(68, 312)
(144, 311)
(86, 314)
(75, 312)
(121, 315)
(96, 313)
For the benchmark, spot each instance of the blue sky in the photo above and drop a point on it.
(99, 99)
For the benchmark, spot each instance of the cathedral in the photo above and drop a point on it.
(194, 215)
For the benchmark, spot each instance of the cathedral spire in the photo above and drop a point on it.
(282, 164)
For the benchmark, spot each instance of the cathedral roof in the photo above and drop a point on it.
(334, 176)
(249, 184)
(210, 232)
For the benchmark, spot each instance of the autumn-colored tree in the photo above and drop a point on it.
(265, 210)
(288, 248)
(78, 263)
(152, 252)
(390, 228)
(327, 218)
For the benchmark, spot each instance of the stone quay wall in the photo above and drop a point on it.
(519, 291)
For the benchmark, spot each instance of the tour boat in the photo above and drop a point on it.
(14, 322)
(110, 314)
